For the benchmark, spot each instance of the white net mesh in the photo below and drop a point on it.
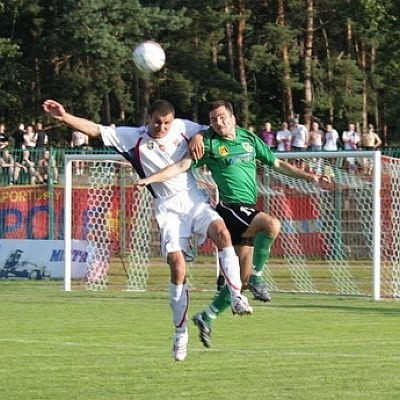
(115, 220)
(325, 245)
(390, 248)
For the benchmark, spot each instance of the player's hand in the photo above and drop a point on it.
(55, 109)
(196, 147)
(324, 178)
(141, 184)
(323, 181)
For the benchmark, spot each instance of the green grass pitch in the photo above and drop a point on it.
(115, 345)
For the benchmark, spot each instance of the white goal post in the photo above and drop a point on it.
(342, 238)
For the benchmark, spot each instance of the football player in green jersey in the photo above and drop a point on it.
(230, 153)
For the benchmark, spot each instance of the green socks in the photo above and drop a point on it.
(262, 249)
(220, 303)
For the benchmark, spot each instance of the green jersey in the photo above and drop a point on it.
(233, 164)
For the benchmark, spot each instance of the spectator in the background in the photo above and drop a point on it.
(29, 138)
(315, 137)
(370, 140)
(3, 141)
(268, 135)
(351, 139)
(47, 168)
(299, 135)
(42, 140)
(331, 139)
(3, 129)
(7, 163)
(299, 140)
(18, 136)
(79, 142)
(284, 138)
(26, 165)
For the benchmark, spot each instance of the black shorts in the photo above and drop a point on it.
(237, 218)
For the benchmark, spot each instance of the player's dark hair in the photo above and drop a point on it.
(161, 107)
(220, 103)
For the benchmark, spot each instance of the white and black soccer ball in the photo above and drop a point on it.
(149, 57)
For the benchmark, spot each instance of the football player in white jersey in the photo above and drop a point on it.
(181, 208)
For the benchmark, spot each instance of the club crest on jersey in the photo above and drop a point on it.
(248, 147)
(223, 151)
(161, 147)
(150, 145)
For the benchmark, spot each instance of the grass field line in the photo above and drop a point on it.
(248, 350)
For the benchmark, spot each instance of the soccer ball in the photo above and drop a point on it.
(149, 57)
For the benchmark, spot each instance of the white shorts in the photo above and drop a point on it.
(182, 216)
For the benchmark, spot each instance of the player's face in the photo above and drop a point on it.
(159, 125)
(223, 122)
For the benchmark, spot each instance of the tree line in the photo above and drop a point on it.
(331, 61)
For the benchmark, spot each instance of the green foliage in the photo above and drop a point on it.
(79, 52)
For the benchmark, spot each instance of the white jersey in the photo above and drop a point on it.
(181, 208)
(149, 155)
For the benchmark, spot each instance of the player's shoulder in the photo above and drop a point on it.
(243, 133)
(185, 124)
(127, 134)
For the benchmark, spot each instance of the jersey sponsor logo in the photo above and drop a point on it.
(223, 151)
(161, 147)
(248, 147)
(150, 145)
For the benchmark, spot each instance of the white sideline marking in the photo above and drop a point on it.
(213, 350)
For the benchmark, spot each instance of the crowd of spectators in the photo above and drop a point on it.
(294, 136)
(25, 155)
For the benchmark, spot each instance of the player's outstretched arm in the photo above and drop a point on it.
(288, 169)
(58, 112)
(165, 174)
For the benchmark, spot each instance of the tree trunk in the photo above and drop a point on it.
(143, 96)
(349, 41)
(286, 78)
(308, 93)
(239, 42)
(329, 74)
(363, 56)
(376, 94)
(229, 43)
(106, 113)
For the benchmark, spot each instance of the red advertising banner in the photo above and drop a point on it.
(24, 212)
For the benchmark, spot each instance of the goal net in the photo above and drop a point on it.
(337, 238)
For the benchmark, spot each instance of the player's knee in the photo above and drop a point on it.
(177, 266)
(220, 236)
(272, 226)
(276, 227)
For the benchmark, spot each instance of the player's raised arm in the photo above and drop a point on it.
(166, 173)
(58, 112)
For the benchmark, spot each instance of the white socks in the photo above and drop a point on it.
(179, 301)
(229, 264)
